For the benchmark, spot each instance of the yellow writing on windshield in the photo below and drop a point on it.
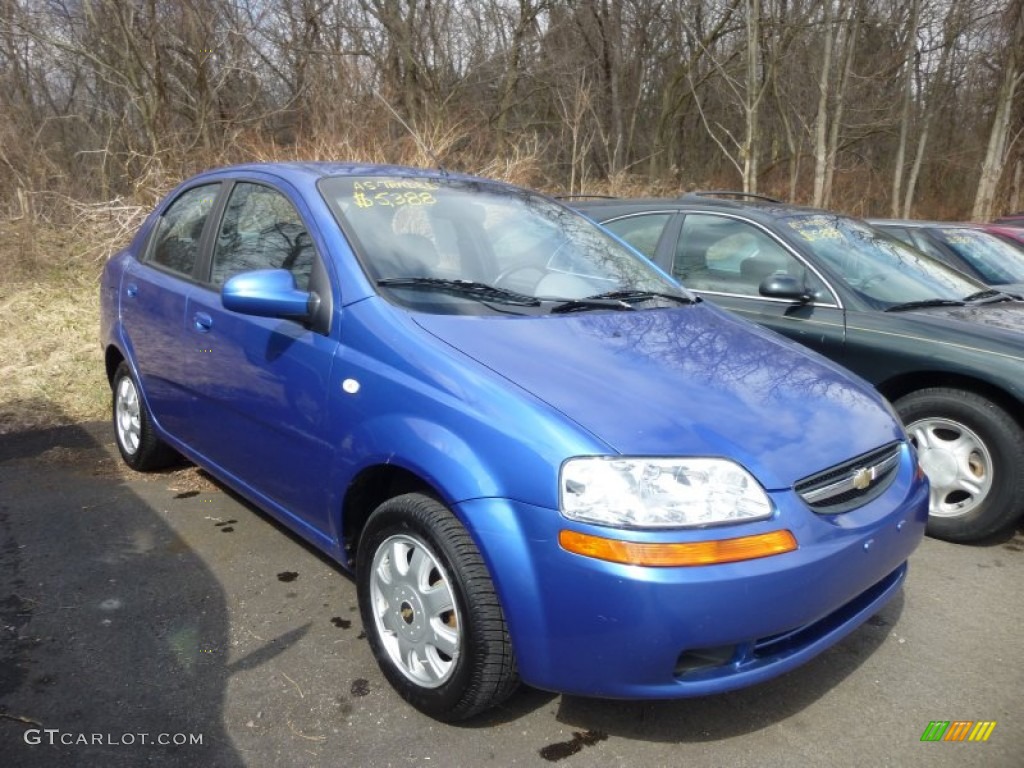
(392, 199)
(816, 229)
(395, 184)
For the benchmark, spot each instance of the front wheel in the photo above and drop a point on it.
(972, 451)
(430, 612)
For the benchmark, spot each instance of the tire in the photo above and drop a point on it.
(972, 451)
(140, 448)
(430, 612)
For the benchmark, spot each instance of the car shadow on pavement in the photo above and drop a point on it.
(112, 630)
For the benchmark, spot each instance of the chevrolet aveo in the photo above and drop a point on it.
(542, 458)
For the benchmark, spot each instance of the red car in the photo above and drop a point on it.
(1011, 219)
(1012, 232)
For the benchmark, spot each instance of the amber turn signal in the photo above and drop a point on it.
(678, 554)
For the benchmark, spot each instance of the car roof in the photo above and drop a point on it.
(309, 171)
(918, 223)
(615, 206)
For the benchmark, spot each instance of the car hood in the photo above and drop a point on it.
(692, 381)
(1017, 289)
(983, 325)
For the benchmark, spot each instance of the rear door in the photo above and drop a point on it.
(154, 293)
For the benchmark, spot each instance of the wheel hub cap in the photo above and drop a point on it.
(957, 462)
(939, 465)
(414, 611)
(409, 614)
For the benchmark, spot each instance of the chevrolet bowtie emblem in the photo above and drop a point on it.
(862, 478)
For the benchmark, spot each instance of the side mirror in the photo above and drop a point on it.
(779, 286)
(268, 293)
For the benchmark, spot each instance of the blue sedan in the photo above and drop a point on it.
(542, 458)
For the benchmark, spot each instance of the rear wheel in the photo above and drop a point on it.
(972, 451)
(140, 448)
(430, 611)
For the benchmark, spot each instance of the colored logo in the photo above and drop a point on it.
(958, 730)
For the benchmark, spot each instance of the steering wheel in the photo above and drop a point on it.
(505, 274)
(871, 279)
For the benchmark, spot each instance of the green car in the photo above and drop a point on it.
(945, 349)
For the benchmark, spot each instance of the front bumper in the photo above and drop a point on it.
(584, 626)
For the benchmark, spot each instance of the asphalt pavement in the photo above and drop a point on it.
(160, 620)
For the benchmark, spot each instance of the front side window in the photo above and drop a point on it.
(262, 230)
(176, 241)
(726, 255)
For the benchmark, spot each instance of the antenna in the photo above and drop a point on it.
(423, 147)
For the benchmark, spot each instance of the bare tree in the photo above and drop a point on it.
(909, 58)
(999, 137)
(933, 95)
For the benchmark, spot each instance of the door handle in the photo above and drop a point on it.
(132, 290)
(202, 322)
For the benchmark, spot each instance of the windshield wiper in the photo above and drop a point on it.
(591, 302)
(923, 304)
(990, 296)
(630, 296)
(622, 300)
(480, 291)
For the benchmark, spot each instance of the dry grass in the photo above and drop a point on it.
(50, 361)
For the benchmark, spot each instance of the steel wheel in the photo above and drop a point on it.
(414, 610)
(957, 462)
(127, 419)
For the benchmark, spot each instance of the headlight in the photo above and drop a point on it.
(660, 493)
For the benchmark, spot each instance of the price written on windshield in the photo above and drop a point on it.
(393, 193)
(392, 199)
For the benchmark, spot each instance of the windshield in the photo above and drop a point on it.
(475, 247)
(880, 269)
(996, 261)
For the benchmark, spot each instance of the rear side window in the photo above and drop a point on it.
(642, 232)
(176, 244)
(262, 230)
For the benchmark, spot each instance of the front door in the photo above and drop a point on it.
(727, 258)
(262, 383)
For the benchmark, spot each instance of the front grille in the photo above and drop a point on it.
(852, 483)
